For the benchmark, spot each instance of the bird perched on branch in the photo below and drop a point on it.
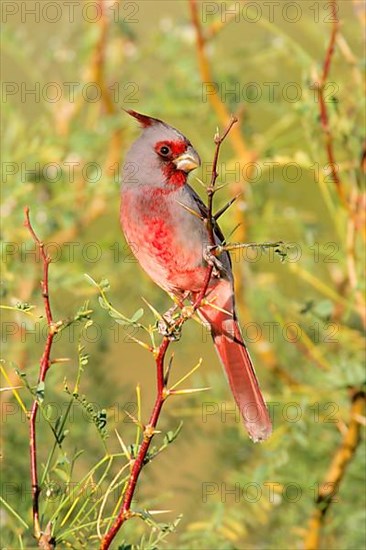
(163, 220)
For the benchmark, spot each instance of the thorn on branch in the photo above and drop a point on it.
(280, 248)
(225, 207)
(168, 369)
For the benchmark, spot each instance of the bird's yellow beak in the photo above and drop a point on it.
(188, 161)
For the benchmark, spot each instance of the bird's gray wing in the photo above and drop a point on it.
(220, 238)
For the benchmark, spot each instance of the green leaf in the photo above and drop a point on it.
(323, 309)
(104, 285)
(102, 303)
(122, 322)
(137, 315)
(40, 392)
(61, 474)
(24, 306)
(172, 435)
(114, 314)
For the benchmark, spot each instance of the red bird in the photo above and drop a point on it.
(169, 242)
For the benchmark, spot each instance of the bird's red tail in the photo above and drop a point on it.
(236, 360)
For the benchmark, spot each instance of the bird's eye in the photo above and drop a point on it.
(164, 150)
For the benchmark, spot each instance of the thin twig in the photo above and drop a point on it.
(219, 107)
(210, 220)
(352, 232)
(324, 117)
(99, 66)
(232, 12)
(245, 155)
(43, 369)
(343, 456)
(162, 392)
(219, 248)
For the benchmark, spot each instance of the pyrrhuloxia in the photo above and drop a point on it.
(169, 242)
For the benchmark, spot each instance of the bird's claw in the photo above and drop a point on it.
(167, 326)
(212, 260)
(169, 331)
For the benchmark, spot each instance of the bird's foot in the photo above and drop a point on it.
(212, 260)
(167, 325)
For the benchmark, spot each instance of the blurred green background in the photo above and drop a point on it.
(62, 149)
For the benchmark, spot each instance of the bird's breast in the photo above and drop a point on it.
(166, 243)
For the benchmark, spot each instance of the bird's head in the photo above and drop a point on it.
(161, 156)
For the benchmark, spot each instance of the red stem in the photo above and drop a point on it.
(324, 118)
(210, 194)
(43, 368)
(161, 394)
(138, 464)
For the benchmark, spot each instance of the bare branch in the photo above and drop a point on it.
(324, 117)
(45, 363)
(337, 469)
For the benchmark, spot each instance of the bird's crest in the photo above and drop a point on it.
(144, 120)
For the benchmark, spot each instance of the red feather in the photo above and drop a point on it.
(144, 120)
(236, 360)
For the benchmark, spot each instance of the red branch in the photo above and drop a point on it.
(162, 391)
(149, 431)
(324, 117)
(210, 196)
(43, 369)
